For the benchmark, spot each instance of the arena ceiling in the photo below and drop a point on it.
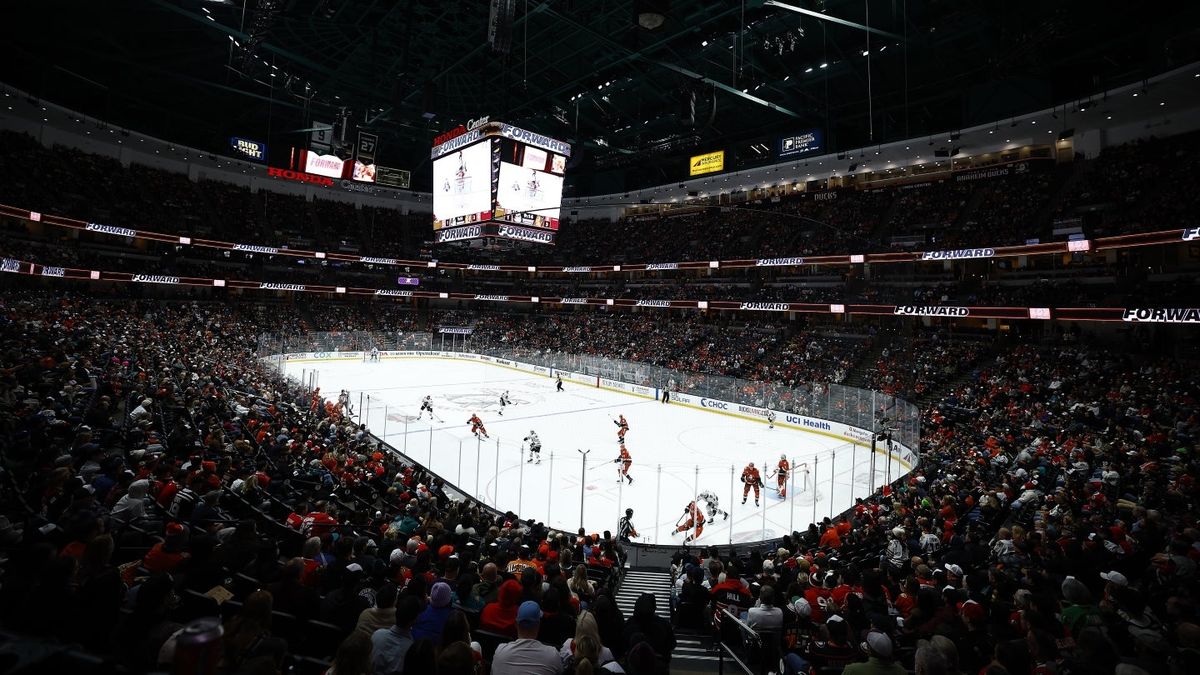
(716, 74)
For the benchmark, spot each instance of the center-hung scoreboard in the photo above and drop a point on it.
(492, 180)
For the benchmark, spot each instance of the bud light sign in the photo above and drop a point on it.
(248, 148)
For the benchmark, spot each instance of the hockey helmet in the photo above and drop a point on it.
(751, 465)
(629, 512)
(783, 457)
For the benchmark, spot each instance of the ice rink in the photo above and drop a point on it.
(677, 451)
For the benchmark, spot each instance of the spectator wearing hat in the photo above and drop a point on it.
(166, 555)
(343, 605)
(880, 657)
(433, 618)
(500, 616)
(1078, 610)
(832, 647)
(525, 655)
(390, 645)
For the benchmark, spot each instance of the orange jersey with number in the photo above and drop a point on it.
(625, 454)
(784, 466)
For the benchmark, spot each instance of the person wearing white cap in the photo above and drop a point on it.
(878, 647)
(1115, 578)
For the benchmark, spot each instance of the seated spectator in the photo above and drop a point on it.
(880, 661)
(420, 657)
(646, 625)
(343, 606)
(525, 655)
(248, 638)
(584, 626)
(433, 618)
(501, 616)
(765, 615)
(581, 586)
(457, 659)
(353, 656)
(389, 646)
(383, 614)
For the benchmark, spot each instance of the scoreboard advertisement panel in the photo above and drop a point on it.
(462, 186)
(497, 181)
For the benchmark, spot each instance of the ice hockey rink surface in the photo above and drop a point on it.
(677, 451)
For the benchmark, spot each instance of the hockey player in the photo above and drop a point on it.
(622, 428)
(751, 479)
(535, 447)
(426, 407)
(477, 426)
(712, 505)
(770, 419)
(558, 386)
(692, 516)
(623, 472)
(374, 353)
(625, 529)
(782, 470)
(504, 401)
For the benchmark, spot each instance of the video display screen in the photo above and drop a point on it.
(462, 186)
(528, 197)
(529, 189)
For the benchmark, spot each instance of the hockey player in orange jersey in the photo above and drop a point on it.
(622, 428)
(627, 461)
(477, 426)
(751, 479)
(692, 516)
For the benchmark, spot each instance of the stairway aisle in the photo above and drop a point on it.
(690, 654)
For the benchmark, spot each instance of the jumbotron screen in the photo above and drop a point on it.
(497, 181)
(462, 186)
(529, 191)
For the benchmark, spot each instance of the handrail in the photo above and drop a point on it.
(1128, 314)
(1050, 248)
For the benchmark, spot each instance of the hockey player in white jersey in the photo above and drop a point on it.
(426, 407)
(504, 401)
(712, 505)
(535, 447)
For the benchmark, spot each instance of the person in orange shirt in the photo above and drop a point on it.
(751, 479)
(831, 539)
(692, 516)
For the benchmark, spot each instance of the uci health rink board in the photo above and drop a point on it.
(678, 450)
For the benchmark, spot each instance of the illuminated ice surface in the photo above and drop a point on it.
(697, 450)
